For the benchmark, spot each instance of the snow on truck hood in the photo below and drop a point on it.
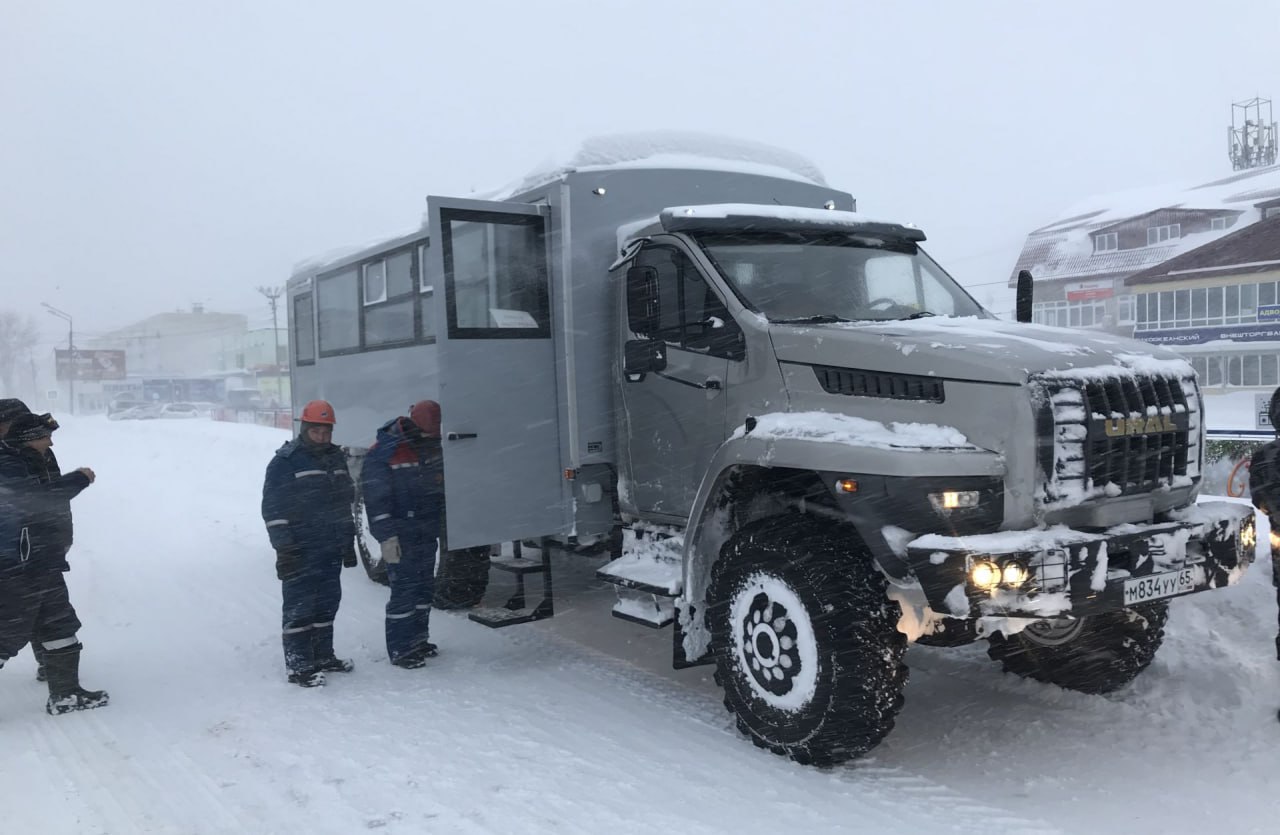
(970, 348)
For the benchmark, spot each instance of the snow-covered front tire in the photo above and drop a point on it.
(462, 577)
(805, 639)
(1097, 654)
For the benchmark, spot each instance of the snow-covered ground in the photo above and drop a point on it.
(573, 725)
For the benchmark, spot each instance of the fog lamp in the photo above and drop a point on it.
(950, 500)
(1014, 574)
(985, 575)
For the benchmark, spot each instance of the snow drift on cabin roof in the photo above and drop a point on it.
(671, 149)
(642, 149)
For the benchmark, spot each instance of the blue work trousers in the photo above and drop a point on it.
(310, 605)
(413, 583)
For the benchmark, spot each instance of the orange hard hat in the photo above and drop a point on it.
(318, 411)
(426, 416)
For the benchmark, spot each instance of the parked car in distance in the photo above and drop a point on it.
(180, 411)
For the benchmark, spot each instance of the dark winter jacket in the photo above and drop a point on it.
(40, 497)
(1264, 477)
(403, 483)
(307, 498)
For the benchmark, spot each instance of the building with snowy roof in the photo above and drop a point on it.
(1081, 261)
(1219, 305)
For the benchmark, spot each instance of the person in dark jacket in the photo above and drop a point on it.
(403, 484)
(307, 505)
(34, 603)
(10, 408)
(1264, 488)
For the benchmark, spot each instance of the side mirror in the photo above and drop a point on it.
(640, 356)
(644, 309)
(1023, 305)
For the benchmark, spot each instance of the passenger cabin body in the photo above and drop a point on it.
(514, 299)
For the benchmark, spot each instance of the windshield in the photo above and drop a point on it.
(834, 277)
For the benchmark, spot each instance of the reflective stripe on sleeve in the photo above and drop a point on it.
(380, 517)
(274, 522)
(405, 464)
(302, 473)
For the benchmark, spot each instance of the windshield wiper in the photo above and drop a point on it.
(819, 319)
(919, 314)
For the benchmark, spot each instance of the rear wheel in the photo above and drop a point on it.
(805, 639)
(462, 577)
(370, 555)
(1097, 654)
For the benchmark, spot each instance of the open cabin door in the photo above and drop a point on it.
(500, 420)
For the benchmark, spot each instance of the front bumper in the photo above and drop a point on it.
(1075, 572)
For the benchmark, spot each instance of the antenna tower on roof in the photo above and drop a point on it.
(1251, 139)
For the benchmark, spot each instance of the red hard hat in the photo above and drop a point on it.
(426, 416)
(318, 411)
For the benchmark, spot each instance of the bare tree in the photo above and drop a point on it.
(18, 335)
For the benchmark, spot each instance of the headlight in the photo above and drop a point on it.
(1249, 535)
(950, 500)
(985, 575)
(1014, 574)
(988, 574)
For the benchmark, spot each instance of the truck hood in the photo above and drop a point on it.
(970, 348)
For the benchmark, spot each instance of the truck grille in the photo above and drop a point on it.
(1118, 436)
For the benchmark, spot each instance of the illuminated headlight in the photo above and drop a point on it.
(950, 500)
(1249, 535)
(1014, 574)
(985, 575)
(1275, 540)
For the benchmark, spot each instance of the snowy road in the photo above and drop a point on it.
(576, 725)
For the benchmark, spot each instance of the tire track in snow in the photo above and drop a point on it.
(883, 786)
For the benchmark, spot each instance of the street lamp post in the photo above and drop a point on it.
(71, 349)
(273, 295)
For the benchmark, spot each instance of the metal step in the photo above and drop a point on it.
(497, 617)
(643, 573)
(652, 610)
(517, 565)
(514, 611)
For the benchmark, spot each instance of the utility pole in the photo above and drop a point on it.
(273, 296)
(71, 351)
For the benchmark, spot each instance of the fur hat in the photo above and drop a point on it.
(12, 407)
(30, 427)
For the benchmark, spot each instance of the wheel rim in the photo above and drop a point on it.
(774, 644)
(1054, 633)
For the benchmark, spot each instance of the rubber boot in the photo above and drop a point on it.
(65, 692)
(322, 647)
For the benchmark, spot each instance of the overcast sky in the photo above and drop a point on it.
(156, 153)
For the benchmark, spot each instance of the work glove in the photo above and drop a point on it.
(391, 550)
(288, 562)
(350, 559)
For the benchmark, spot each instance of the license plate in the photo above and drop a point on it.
(1157, 586)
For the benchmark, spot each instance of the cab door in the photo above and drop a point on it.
(499, 402)
(675, 416)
